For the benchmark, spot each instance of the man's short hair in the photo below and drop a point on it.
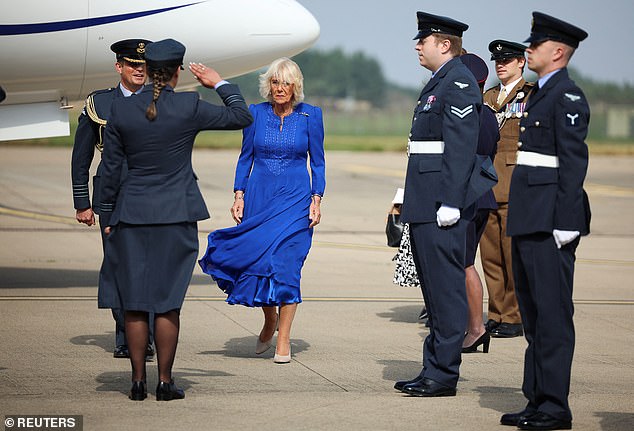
(456, 43)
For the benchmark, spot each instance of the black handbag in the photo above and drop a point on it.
(394, 230)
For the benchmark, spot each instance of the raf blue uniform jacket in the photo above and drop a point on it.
(555, 123)
(161, 186)
(89, 133)
(448, 110)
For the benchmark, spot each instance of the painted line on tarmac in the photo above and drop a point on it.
(38, 216)
(600, 262)
(305, 299)
(371, 170)
(606, 190)
(607, 262)
(73, 222)
(351, 245)
(592, 188)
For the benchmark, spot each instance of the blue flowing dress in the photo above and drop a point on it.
(259, 261)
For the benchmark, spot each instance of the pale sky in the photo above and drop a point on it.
(384, 30)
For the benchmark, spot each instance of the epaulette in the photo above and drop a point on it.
(91, 106)
(94, 114)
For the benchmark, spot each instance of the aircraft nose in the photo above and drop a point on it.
(288, 22)
(245, 35)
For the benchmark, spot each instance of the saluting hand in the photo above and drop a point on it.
(315, 211)
(207, 76)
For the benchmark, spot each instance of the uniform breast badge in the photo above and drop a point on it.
(431, 99)
(515, 110)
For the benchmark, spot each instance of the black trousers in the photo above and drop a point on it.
(439, 255)
(543, 284)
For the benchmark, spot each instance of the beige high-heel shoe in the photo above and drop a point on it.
(282, 359)
(263, 346)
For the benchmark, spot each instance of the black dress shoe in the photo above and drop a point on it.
(428, 388)
(401, 383)
(149, 353)
(513, 419)
(508, 330)
(121, 351)
(544, 421)
(491, 325)
(423, 314)
(484, 340)
(167, 391)
(138, 392)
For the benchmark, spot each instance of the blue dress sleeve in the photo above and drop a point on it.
(245, 160)
(316, 151)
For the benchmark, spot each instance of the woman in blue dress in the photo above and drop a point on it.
(277, 203)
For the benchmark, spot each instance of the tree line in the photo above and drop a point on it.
(338, 75)
(331, 74)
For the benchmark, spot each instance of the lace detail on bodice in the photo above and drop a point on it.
(279, 145)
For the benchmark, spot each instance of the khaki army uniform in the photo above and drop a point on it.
(495, 245)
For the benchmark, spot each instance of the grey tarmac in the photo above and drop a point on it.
(354, 334)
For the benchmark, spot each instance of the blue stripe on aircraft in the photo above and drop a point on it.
(46, 27)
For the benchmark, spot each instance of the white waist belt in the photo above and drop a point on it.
(425, 147)
(528, 158)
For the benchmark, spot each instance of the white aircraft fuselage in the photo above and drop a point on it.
(55, 53)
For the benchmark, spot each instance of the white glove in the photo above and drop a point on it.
(446, 215)
(563, 237)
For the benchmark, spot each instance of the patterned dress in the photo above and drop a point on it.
(405, 274)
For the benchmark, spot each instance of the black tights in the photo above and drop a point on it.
(166, 326)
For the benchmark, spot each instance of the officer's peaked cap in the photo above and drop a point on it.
(428, 24)
(546, 27)
(501, 49)
(132, 50)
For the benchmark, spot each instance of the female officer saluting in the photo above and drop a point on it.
(151, 218)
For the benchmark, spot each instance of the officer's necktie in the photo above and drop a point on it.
(501, 96)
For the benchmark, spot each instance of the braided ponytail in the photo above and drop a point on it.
(160, 78)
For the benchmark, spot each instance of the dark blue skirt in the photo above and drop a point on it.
(148, 267)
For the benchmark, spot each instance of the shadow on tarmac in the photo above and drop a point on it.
(500, 398)
(105, 341)
(403, 314)
(615, 421)
(32, 278)
(119, 381)
(55, 278)
(399, 370)
(244, 347)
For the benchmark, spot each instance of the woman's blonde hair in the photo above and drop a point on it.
(283, 69)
